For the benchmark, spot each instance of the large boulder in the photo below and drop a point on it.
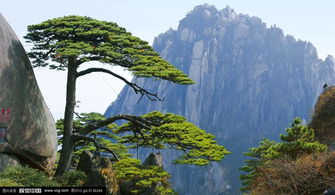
(27, 128)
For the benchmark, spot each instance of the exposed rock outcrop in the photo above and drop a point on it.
(250, 82)
(152, 160)
(85, 163)
(323, 120)
(27, 128)
(99, 172)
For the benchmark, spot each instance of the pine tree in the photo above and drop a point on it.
(68, 42)
(174, 132)
(154, 130)
(298, 141)
(258, 156)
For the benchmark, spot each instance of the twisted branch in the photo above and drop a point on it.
(77, 137)
(136, 88)
(132, 118)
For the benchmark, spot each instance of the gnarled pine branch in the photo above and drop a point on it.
(77, 137)
(132, 118)
(136, 88)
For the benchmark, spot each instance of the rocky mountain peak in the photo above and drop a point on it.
(201, 16)
(330, 59)
(228, 13)
(213, 17)
(250, 82)
(209, 11)
(205, 9)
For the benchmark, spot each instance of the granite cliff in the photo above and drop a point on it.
(251, 80)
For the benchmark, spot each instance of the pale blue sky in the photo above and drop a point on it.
(308, 20)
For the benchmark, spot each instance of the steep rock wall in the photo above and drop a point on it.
(251, 81)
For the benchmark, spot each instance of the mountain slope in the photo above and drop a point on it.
(251, 81)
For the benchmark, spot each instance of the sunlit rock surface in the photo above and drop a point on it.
(27, 128)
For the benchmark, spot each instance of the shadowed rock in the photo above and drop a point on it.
(27, 128)
(99, 172)
(154, 160)
(85, 162)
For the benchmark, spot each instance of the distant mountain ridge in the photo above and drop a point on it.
(251, 81)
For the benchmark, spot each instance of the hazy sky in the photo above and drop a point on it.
(308, 20)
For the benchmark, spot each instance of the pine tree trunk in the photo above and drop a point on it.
(68, 144)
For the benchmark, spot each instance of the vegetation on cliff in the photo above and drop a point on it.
(297, 165)
(323, 117)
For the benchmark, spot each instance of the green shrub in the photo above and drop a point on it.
(25, 176)
(142, 177)
(73, 179)
(4, 182)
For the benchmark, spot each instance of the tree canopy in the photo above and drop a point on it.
(68, 42)
(152, 130)
(84, 39)
(174, 132)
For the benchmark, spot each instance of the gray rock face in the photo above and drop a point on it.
(85, 162)
(95, 169)
(7, 159)
(27, 127)
(91, 167)
(251, 81)
(154, 160)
